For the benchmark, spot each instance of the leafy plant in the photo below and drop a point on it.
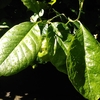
(69, 46)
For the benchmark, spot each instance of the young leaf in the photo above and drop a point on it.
(52, 2)
(83, 64)
(19, 47)
(47, 47)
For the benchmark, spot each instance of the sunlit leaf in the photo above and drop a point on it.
(19, 47)
(83, 64)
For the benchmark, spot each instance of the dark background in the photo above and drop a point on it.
(44, 82)
(14, 12)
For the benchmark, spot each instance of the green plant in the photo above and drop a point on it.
(69, 46)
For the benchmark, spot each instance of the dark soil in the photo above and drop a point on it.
(42, 83)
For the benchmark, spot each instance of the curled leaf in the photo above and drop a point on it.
(47, 47)
(52, 2)
(63, 38)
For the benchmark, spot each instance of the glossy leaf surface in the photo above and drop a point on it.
(19, 47)
(83, 64)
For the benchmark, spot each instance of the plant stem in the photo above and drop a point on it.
(80, 8)
(56, 17)
(79, 14)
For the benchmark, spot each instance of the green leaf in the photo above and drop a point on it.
(59, 60)
(34, 5)
(63, 38)
(47, 47)
(63, 35)
(51, 50)
(83, 63)
(19, 47)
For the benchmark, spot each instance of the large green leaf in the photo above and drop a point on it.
(19, 47)
(83, 64)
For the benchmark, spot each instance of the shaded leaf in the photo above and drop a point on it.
(19, 47)
(50, 49)
(63, 35)
(63, 38)
(59, 60)
(34, 5)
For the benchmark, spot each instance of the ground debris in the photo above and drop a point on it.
(17, 97)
